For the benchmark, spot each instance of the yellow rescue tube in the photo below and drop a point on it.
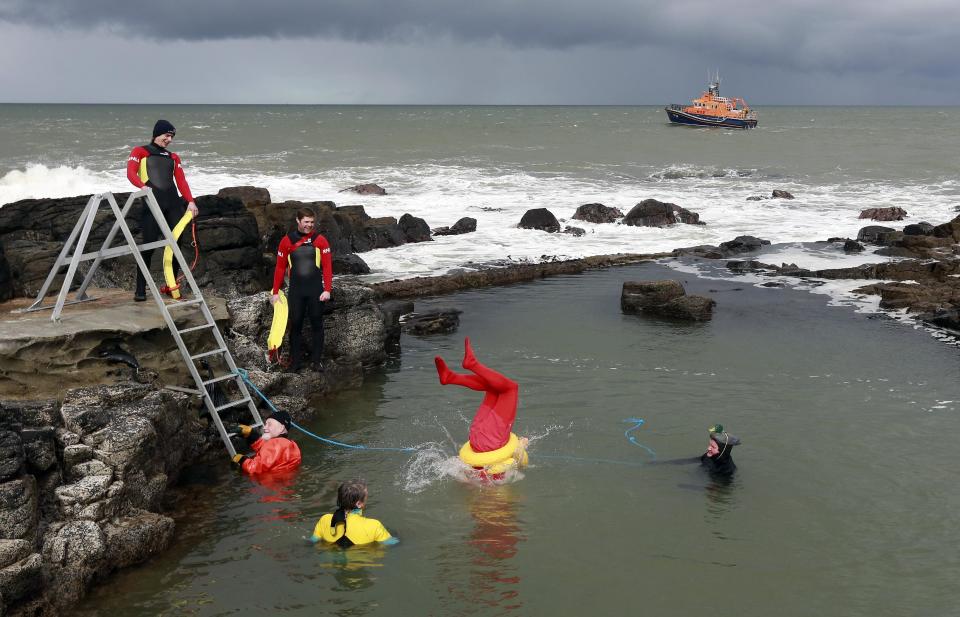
(168, 256)
(496, 461)
(278, 327)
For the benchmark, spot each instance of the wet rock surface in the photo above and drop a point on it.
(664, 299)
(597, 213)
(653, 213)
(438, 321)
(366, 189)
(884, 214)
(540, 218)
(462, 226)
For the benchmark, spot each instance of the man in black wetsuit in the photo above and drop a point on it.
(154, 166)
(308, 256)
(718, 459)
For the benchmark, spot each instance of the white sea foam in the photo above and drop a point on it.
(498, 196)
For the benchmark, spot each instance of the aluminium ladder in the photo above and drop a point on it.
(76, 243)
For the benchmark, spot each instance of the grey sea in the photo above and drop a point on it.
(843, 502)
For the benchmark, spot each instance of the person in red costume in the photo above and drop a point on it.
(273, 450)
(491, 426)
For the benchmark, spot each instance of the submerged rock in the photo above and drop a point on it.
(366, 189)
(665, 298)
(884, 214)
(781, 194)
(438, 321)
(462, 226)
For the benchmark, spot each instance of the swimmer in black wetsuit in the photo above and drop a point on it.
(717, 459)
(156, 167)
(308, 256)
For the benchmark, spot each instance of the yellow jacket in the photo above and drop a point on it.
(359, 530)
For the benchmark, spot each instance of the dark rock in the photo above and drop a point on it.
(742, 244)
(756, 198)
(12, 551)
(392, 311)
(384, 232)
(884, 214)
(438, 321)
(6, 279)
(18, 509)
(706, 251)
(852, 246)
(22, 578)
(462, 226)
(540, 218)
(415, 229)
(874, 234)
(741, 266)
(576, 232)
(779, 194)
(135, 539)
(690, 308)
(349, 263)
(249, 196)
(946, 230)
(918, 229)
(366, 189)
(653, 213)
(11, 455)
(637, 296)
(895, 251)
(40, 448)
(597, 213)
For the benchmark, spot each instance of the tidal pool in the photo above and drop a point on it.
(843, 503)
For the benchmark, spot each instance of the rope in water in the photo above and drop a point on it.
(637, 423)
(246, 378)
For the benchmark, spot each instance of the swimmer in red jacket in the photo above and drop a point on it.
(273, 450)
(491, 427)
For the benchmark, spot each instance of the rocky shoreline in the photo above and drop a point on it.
(85, 472)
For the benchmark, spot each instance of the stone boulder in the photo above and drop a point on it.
(349, 263)
(540, 218)
(918, 229)
(884, 214)
(653, 213)
(6, 279)
(438, 321)
(576, 232)
(251, 197)
(597, 213)
(462, 226)
(876, 234)
(665, 298)
(366, 189)
(704, 251)
(852, 246)
(781, 194)
(12, 455)
(415, 229)
(18, 509)
(742, 244)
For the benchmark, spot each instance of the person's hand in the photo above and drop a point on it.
(192, 207)
(274, 298)
(325, 296)
(238, 458)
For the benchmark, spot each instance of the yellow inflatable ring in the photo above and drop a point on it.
(495, 461)
(168, 256)
(278, 327)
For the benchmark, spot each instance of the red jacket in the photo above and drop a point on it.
(277, 454)
(325, 258)
(133, 171)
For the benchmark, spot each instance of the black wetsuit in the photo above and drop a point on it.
(157, 171)
(307, 282)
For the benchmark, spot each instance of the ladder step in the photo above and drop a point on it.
(192, 391)
(208, 353)
(205, 326)
(220, 378)
(236, 403)
(184, 303)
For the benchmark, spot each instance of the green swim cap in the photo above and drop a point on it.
(716, 428)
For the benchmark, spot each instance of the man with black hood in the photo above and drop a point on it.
(273, 450)
(717, 459)
(156, 167)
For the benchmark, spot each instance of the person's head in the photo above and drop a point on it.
(163, 133)
(305, 220)
(277, 425)
(352, 495)
(721, 442)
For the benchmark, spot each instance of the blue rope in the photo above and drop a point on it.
(591, 460)
(637, 423)
(246, 378)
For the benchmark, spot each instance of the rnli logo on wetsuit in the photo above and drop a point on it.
(308, 241)
(134, 159)
(279, 253)
(327, 250)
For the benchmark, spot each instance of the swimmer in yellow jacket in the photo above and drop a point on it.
(348, 526)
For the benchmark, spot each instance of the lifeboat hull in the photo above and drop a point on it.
(677, 116)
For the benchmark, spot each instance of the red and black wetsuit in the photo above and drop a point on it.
(311, 273)
(161, 170)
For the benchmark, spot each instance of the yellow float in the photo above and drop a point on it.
(277, 327)
(173, 287)
(499, 461)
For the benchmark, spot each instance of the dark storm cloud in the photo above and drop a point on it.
(834, 36)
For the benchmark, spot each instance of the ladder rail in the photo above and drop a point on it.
(108, 241)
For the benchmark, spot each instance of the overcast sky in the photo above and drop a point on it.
(479, 51)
